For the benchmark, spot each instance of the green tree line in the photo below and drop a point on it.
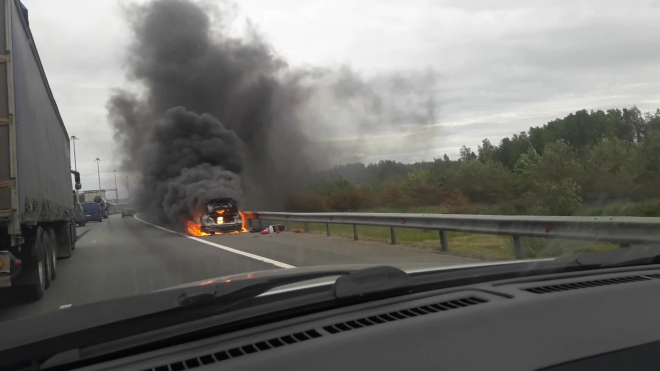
(586, 157)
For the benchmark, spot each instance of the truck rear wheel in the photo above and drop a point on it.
(37, 270)
(36, 291)
(54, 244)
(47, 258)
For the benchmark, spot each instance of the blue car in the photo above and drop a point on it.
(92, 211)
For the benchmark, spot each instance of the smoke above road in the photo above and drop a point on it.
(224, 116)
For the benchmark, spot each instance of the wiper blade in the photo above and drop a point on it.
(627, 256)
(360, 282)
(369, 281)
(237, 291)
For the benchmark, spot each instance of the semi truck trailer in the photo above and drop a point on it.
(37, 212)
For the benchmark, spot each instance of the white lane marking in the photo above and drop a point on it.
(65, 306)
(239, 252)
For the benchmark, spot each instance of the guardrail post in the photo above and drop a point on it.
(287, 225)
(355, 232)
(443, 242)
(517, 247)
(327, 229)
(393, 236)
(306, 227)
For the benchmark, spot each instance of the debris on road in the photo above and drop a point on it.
(274, 228)
(297, 231)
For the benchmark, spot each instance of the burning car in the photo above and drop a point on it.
(221, 216)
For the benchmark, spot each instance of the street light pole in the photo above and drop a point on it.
(116, 190)
(75, 162)
(98, 169)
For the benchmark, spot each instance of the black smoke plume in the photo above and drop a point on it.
(220, 116)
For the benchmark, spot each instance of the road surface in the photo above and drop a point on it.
(127, 256)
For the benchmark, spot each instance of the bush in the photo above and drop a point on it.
(308, 202)
(349, 199)
(489, 182)
(457, 203)
(607, 171)
(561, 198)
(647, 209)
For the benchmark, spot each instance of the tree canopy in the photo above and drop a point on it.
(553, 169)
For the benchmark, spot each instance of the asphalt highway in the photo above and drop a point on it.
(128, 256)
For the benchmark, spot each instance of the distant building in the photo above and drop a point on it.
(88, 196)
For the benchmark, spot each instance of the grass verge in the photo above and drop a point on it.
(479, 246)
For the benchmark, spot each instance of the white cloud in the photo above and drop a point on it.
(503, 65)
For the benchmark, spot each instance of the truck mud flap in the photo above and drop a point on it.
(5, 269)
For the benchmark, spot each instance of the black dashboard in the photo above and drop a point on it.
(596, 320)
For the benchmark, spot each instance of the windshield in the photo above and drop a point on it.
(214, 139)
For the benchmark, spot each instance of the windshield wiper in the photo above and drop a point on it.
(623, 257)
(357, 283)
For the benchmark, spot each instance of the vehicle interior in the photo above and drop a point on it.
(595, 320)
(343, 185)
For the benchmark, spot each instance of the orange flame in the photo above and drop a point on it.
(195, 229)
(243, 222)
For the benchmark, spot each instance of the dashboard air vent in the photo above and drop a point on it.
(265, 345)
(403, 314)
(584, 284)
(236, 352)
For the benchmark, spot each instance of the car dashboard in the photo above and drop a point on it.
(588, 320)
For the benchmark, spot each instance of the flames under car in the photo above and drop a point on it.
(221, 216)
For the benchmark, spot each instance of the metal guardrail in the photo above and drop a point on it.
(622, 230)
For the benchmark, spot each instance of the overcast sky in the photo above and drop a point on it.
(503, 66)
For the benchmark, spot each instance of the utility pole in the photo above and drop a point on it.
(128, 195)
(75, 162)
(98, 169)
(116, 191)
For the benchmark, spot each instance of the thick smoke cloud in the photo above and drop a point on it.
(220, 116)
(185, 159)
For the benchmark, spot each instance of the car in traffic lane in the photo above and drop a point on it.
(127, 212)
(92, 211)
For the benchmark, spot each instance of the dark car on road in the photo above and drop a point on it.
(127, 212)
(92, 211)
